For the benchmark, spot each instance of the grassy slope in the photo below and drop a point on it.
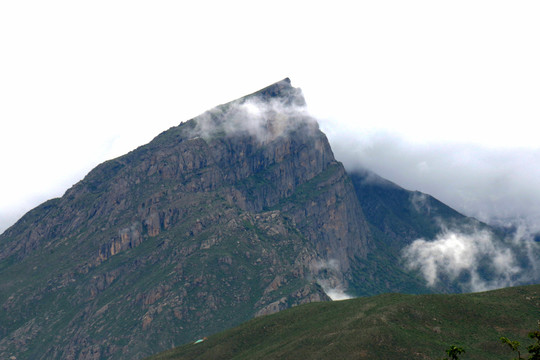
(390, 326)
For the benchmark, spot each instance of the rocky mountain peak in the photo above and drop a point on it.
(283, 90)
(240, 211)
(278, 110)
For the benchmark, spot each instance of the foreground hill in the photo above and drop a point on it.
(390, 326)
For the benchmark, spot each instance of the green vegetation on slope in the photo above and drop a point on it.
(390, 326)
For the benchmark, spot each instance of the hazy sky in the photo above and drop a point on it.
(438, 96)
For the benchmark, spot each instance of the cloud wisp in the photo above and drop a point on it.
(474, 259)
(328, 275)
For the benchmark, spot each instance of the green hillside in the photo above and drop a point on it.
(390, 326)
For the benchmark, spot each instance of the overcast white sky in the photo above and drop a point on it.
(438, 96)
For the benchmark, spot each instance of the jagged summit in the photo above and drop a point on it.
(282, 90)
(275, 111)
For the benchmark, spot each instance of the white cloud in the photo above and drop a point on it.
(473, 258)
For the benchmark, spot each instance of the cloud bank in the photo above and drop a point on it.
(498, 186)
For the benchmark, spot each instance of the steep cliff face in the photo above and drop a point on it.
(235, 213)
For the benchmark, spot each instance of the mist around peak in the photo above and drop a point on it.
(273, 112)
(265, 120)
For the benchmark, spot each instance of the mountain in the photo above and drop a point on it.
(239, 212)
(232, 214)
(389, 326)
